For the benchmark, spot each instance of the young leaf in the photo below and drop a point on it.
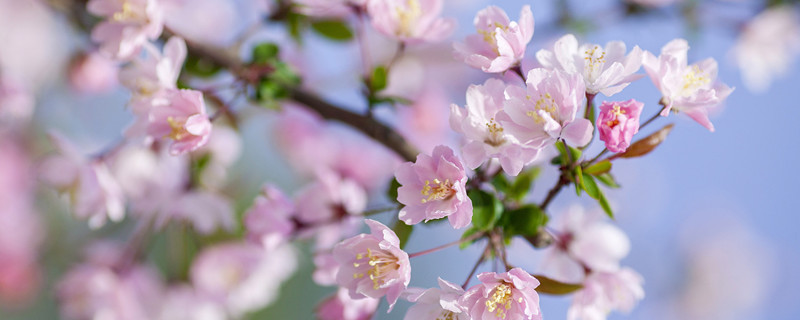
(606, 207)
(591, 187)
(647, 144)
(524, 221)
(523, 183)
(598, 168)
(486, 209)
(500, 183)
(403, 232)
(554, 287)
(608, 180)
(265, 53)
(392, 192)
(578, 180)
(378, 79)
(333, 29)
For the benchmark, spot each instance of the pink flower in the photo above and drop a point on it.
(325, 269)
(94, 193)
(180, 115)
(330, 209)
(241, 276)
(618, 122)
(606, 291)
(328, 8)
(434, 187)
(605, 70)
(767, 46)
(410, 21)
(342, 307)
(268, 221)
(546, 110)
(373, 265)
(485, 136)
(93, 73)
(182, 302)
(437, 303)
(424, 123)
(509, 295)
(692, 89)
(206, 211)
(500, 43)
(157, 71)
(16, 101)
(128, 25)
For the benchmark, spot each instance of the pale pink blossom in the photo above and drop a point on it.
(485, 136)
(328, 8)
(151, 179)
(329, 209)
(128, 25)
(509, 295)
(584, 242)
(94, 193)
(243, 277)
(373, 265)
(206, 211)
(16, 101)
(341, 306)
(767, 46)
(93, 73)
(145, 76)
(437, 303)
(618, 122)
(434, 187)
(500, 43)
(223, 149)
(410, 21)
(268, 221)
(424, 123)
(604, 292)
(691, 89)
(182, 302)
(605, 70)
(180, 115)
(325, 268)
(546, 110)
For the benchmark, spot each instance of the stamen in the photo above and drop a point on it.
(408, 16)
(694, 79)
(545, 103)
(500, 301)
(381, 263)
(495, 137)
(438, 191)
(178, 130)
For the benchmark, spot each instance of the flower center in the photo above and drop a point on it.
(545, 103)
(127, 14)
(495, 137)
(408, 16)
(617, 111)
(490, 35)
(437, 190)
(694, 79)
(381, 265)
(178, 129)
(595, 60)
(501, 300)
(446, 315)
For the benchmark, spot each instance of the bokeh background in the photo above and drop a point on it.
(712, 217)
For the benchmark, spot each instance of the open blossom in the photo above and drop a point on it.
(268, 221)
(180, 115)
(331, 207)
(127, 26)
(206, 211)
(485, 136)
(182, 302)
(692, 89)
(510, 295)
(437, 303)
(156, 71)
(603, 292)
(500, 43)
(328, 8)
(768, 45)
(94, 193)
(16, 101)
(605, 70)
(434, 187)
(410, 21)
(373, 265)
(618, 122)
(546, 110)
(341, 306)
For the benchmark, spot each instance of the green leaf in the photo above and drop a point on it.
(296, 23)
(403, 232)
(574, 154)
(606, 207)
(554, 287)
(608, 180)
(201, 67)
(524, 220)
(378, 79)
(333, 29)
(523, 183)
(578, 173)
(591, 187)
(472, 230)
(265, 53)
(486, 209)
(392, 192)
(598, 168)
(500, 183)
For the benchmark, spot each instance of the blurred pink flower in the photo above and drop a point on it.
(485, 136)
(325, 268)
(410, 21)
(92, 73)
(434, 187)
(692, 89)
(604, 70)
(156, 71)
(128, 25)
(206, 211)
(436, 303)
(509, 295)
(341, 306)
(268, 221)
(546, 110)
(328, 209)
(618, 122)
(16, 101)
(223, 149)
(182, 302)
(180, 115)
(328, 8)
(500, 43)
(373, 265)
(603, 292)
(424, 123)
(243, 277)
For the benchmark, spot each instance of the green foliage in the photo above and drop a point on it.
(200, 67)
(554, 287)
(335, 30)
(403, 232)
(524, 221)
(392, 192)
(278, 77)
(486, 209)
(608, 180)
(593, 191)
(471, 231)
(598, 168)
(522, 184)
(377, 81)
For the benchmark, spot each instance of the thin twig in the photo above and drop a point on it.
(459, 241)
(475, 267)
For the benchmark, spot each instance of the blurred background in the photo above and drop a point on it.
(712, 217)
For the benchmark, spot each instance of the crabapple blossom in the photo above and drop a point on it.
(268, 221)
(410, 21)
(156, 71)
(127, 26)
(16, 101)
(485, 136)
(328, 8)
(341, 306)
(434, 187)
(223, 149)
(373, 265)
(618, 122)
(206, 211)
(180, 115)
(436, 303)
(329, 208)
(510, 295)
(603, 292)
(182, 302)
(424, 123)
(692, 89)
(325, 269)
(546, 110)
(605, 70)
(500, 43)
(93, 73)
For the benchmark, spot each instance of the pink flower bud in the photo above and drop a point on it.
(618, 122)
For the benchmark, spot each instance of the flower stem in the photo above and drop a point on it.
(459, 241)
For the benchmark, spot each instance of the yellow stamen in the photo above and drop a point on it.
(500, 301)
(178, 129)
(495, 137)
(545, 103)
(408, 16)
(439, 191)
(127, 14)
(693, 80)
(381, 264)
